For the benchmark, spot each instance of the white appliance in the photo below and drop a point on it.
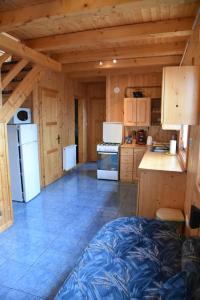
(108, 151)
(21, 116)
(24, 161)
(69, 157)
(112, 132)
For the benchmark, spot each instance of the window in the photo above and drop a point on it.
(183, 145)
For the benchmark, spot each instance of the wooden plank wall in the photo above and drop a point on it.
(192, 57)
(54, 81)
(114, 102)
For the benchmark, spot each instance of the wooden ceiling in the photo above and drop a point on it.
(79, 34)
(14, 4)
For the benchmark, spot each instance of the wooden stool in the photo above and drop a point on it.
(174, 217)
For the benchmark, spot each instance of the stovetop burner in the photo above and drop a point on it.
(108, 147)
(110, 144)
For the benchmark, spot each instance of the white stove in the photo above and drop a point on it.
(108, 147)
(108, 151)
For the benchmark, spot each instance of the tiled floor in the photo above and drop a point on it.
(50, 232)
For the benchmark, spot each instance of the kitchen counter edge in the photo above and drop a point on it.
(153, 161)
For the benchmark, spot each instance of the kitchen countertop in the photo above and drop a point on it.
(160, 162)
(133, 146)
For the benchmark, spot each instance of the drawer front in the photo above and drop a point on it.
(142, 149)
(126, 160)
(126, 167)
(126, 151)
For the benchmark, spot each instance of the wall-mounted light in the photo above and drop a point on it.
(101, 63)
(114, 61)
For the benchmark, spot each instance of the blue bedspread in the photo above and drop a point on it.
(130, 258)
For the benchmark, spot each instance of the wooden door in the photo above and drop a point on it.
(143, 112)
(130, 112)
(50, 116)
(96, 117)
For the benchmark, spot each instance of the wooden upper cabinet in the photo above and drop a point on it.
(180, 95)
(137, 111)
(143, 111)
(130, 112)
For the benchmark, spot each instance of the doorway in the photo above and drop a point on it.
(96, 117)
(76, 127)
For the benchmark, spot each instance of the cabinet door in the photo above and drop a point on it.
(138, 155)
(143, 111)
(130, 112)
(180, 94)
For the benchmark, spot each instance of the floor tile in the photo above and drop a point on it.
(19, 295)
(11, 271)
(51, 231)
(40, 282)
(4, 291)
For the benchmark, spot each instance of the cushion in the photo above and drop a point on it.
(129, 258)
(170, 214)
(174, 288)
(191, 265)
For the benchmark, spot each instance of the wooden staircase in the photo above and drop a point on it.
(17, 80)
(18, 77)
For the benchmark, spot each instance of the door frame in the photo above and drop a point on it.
(41, 140)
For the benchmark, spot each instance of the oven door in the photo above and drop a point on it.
(108, 161)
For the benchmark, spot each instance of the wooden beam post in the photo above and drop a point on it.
(6, 214)
(9, 45)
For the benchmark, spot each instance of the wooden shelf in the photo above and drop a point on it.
(155, 111)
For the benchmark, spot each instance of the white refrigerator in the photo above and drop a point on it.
(24, 161)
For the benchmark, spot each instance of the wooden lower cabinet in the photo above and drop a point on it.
(130, 159)
(138, 155)
(160, 189)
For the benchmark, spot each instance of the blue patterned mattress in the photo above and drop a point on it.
(129, 258)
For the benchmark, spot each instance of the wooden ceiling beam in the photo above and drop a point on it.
(11, 19)
(104, 72)
(125, 63)
(12, 46)
(168, 28)
(176, 48)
